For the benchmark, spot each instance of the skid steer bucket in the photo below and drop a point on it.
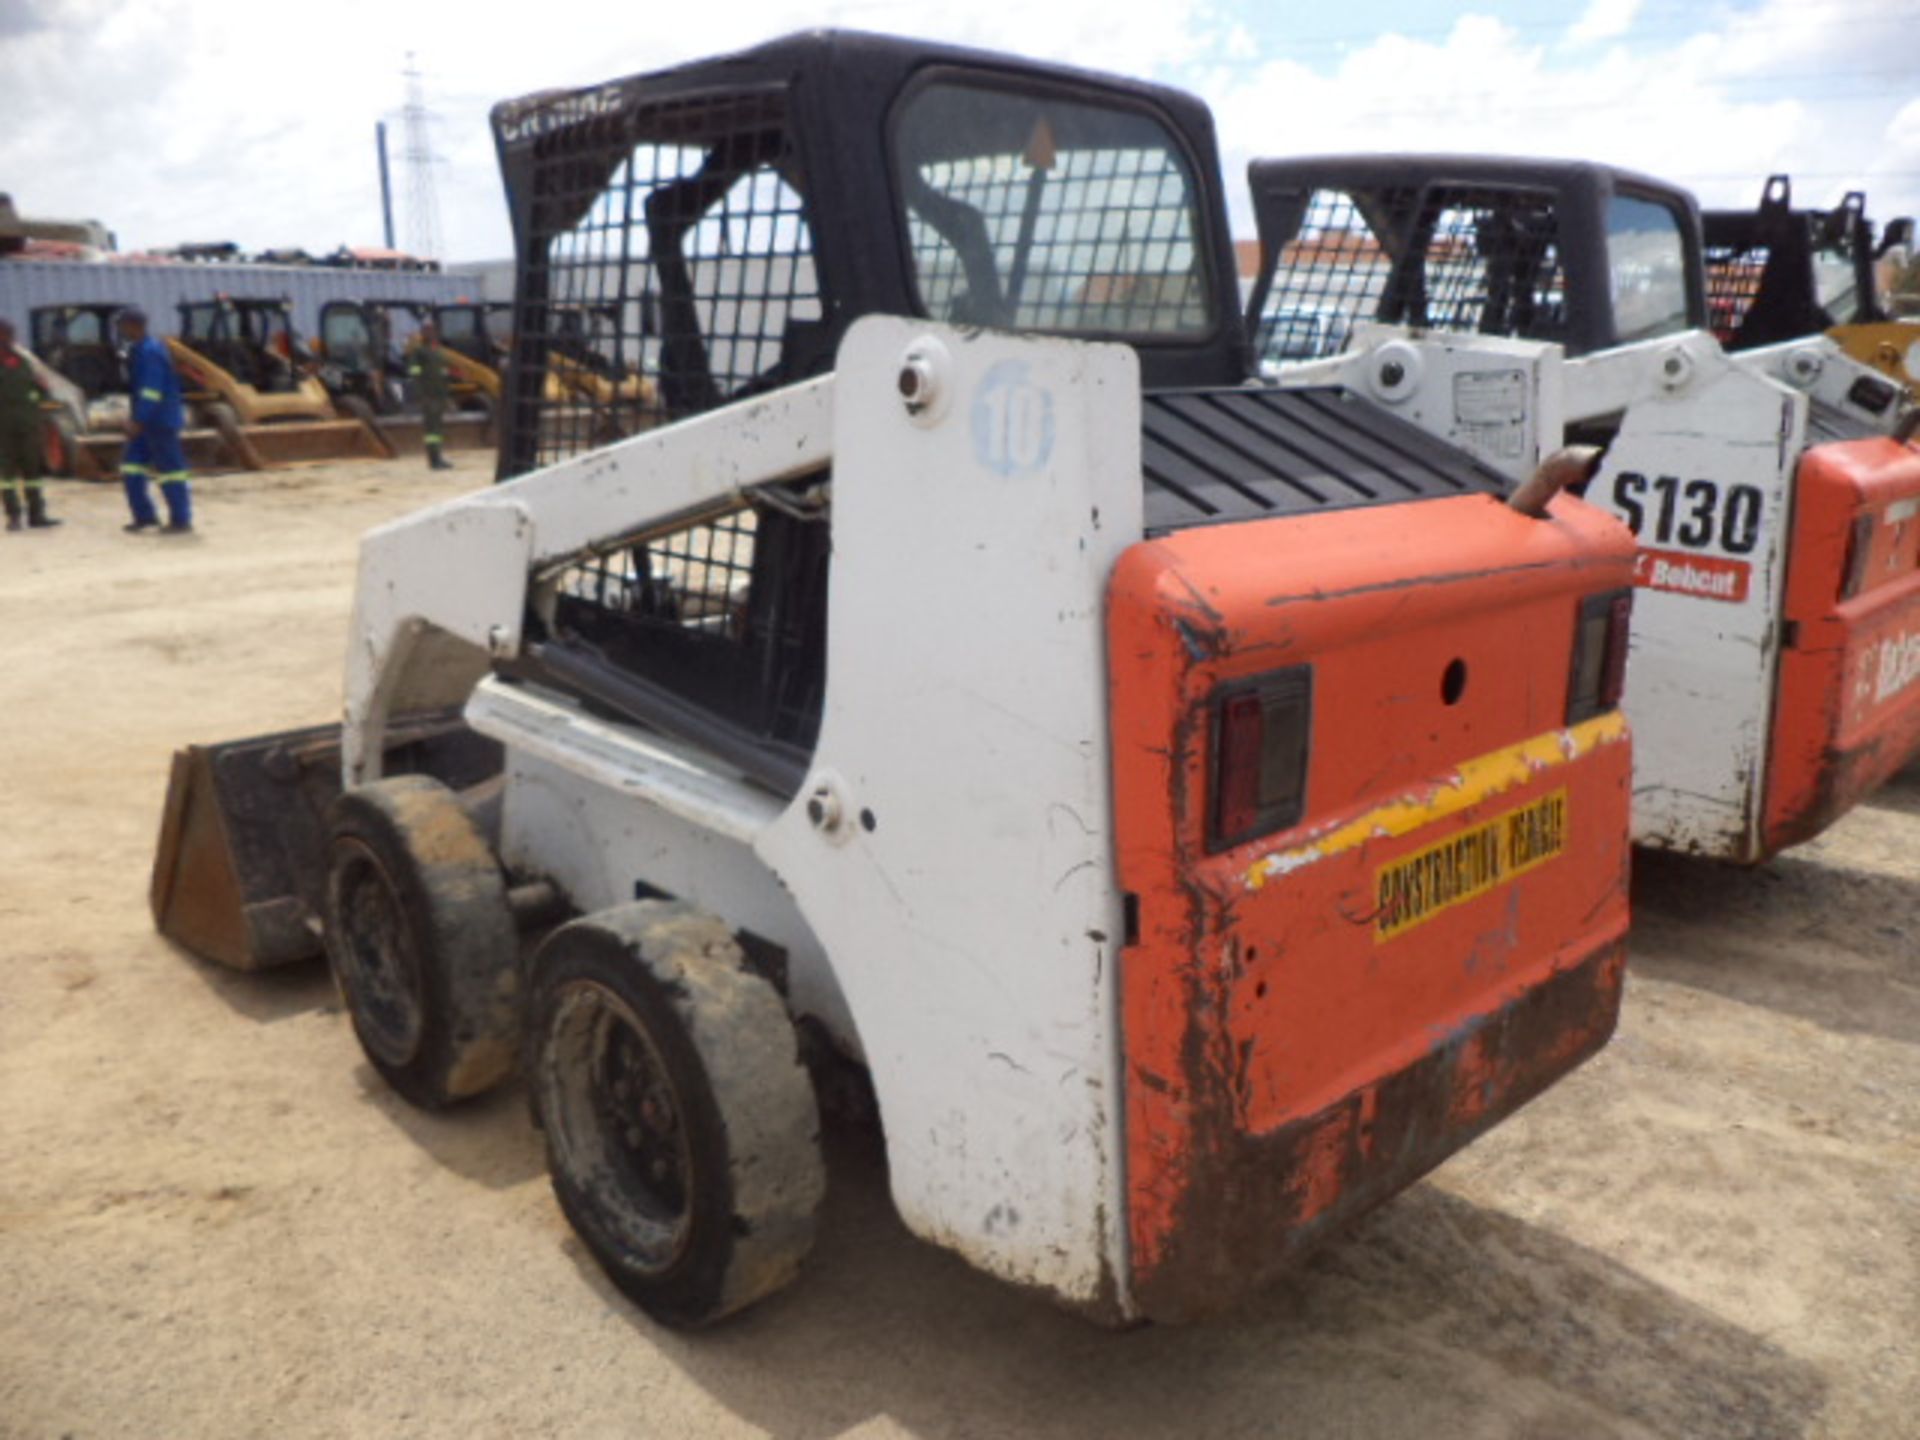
(462, 430)
(240, 868)
(303, 442)
(209, 448)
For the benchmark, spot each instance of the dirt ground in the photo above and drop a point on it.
(213, 1222)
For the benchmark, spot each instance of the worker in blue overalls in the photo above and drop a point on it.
(153, 433)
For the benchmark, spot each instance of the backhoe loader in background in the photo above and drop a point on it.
(1201, 808)
(241, 362)
(363, 348)
(78, 344)
(1776, 629)
(1776, 273)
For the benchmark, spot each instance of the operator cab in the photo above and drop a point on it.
(717, 227)
(1587, 256)
(478, 330)
(80, 342)
(726, 221)
(251, 339)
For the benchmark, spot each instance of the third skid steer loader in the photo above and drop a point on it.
(1776, 633)
(1776, 273)
(480, 330)
(1201, 808)
(363, 363)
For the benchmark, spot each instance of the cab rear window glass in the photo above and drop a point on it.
(1648, 264)
(1030, 211)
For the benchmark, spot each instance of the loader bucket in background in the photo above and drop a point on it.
(303, 442)
(462, 429)
(240, 869)
(207, 449)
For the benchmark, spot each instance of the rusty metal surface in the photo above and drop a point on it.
(241, 859)
(1257, 1202)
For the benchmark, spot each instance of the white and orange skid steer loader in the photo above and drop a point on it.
(1201, 808)
(1515, 305)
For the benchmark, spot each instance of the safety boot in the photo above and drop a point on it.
(435, 460)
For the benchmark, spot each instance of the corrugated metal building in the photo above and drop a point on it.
(26, 285)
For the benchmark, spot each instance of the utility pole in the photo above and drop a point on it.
(423, 207)
(386, 184)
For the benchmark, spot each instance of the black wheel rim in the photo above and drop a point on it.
(375, 956)
(617, 1124)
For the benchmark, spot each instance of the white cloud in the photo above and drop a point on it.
(1702, 112)
(216, 119)
(1604, 20)
(220, 119)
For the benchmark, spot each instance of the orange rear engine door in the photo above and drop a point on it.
(1411, 919)
(1848, 709)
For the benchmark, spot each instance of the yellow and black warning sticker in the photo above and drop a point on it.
(1455, 870)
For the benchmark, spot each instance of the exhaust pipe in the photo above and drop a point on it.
(1573, 465)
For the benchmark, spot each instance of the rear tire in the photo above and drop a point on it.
(421, 940)
(683, 1137)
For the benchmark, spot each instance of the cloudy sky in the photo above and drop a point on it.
(178, 120)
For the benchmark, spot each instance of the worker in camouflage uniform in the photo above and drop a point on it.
(153, 450)
(20, 422)
(428, 371)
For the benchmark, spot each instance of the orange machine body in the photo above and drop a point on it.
(1848, 709)
(1315, 1017)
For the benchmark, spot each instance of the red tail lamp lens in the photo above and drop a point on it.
(1262, 731)
(1613, 675)
(1859, 552)
(1600, 635)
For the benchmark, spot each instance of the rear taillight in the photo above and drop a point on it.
(1859, 553)
(1262, 730)
(1599, 655)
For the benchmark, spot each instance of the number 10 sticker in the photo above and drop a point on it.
(1012, 421)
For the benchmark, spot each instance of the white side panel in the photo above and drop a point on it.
(1701, 471)
(1497, 398)
(966, 893)
(583, 826)
(1827, 375)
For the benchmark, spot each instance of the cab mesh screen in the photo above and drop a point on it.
(665, 277)
(1040, 213)
(1471, 259)
(666, 269)
(1331, 273)
(1733, 281)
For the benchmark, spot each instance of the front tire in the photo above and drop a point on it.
(421, 940)
(682, 1131)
